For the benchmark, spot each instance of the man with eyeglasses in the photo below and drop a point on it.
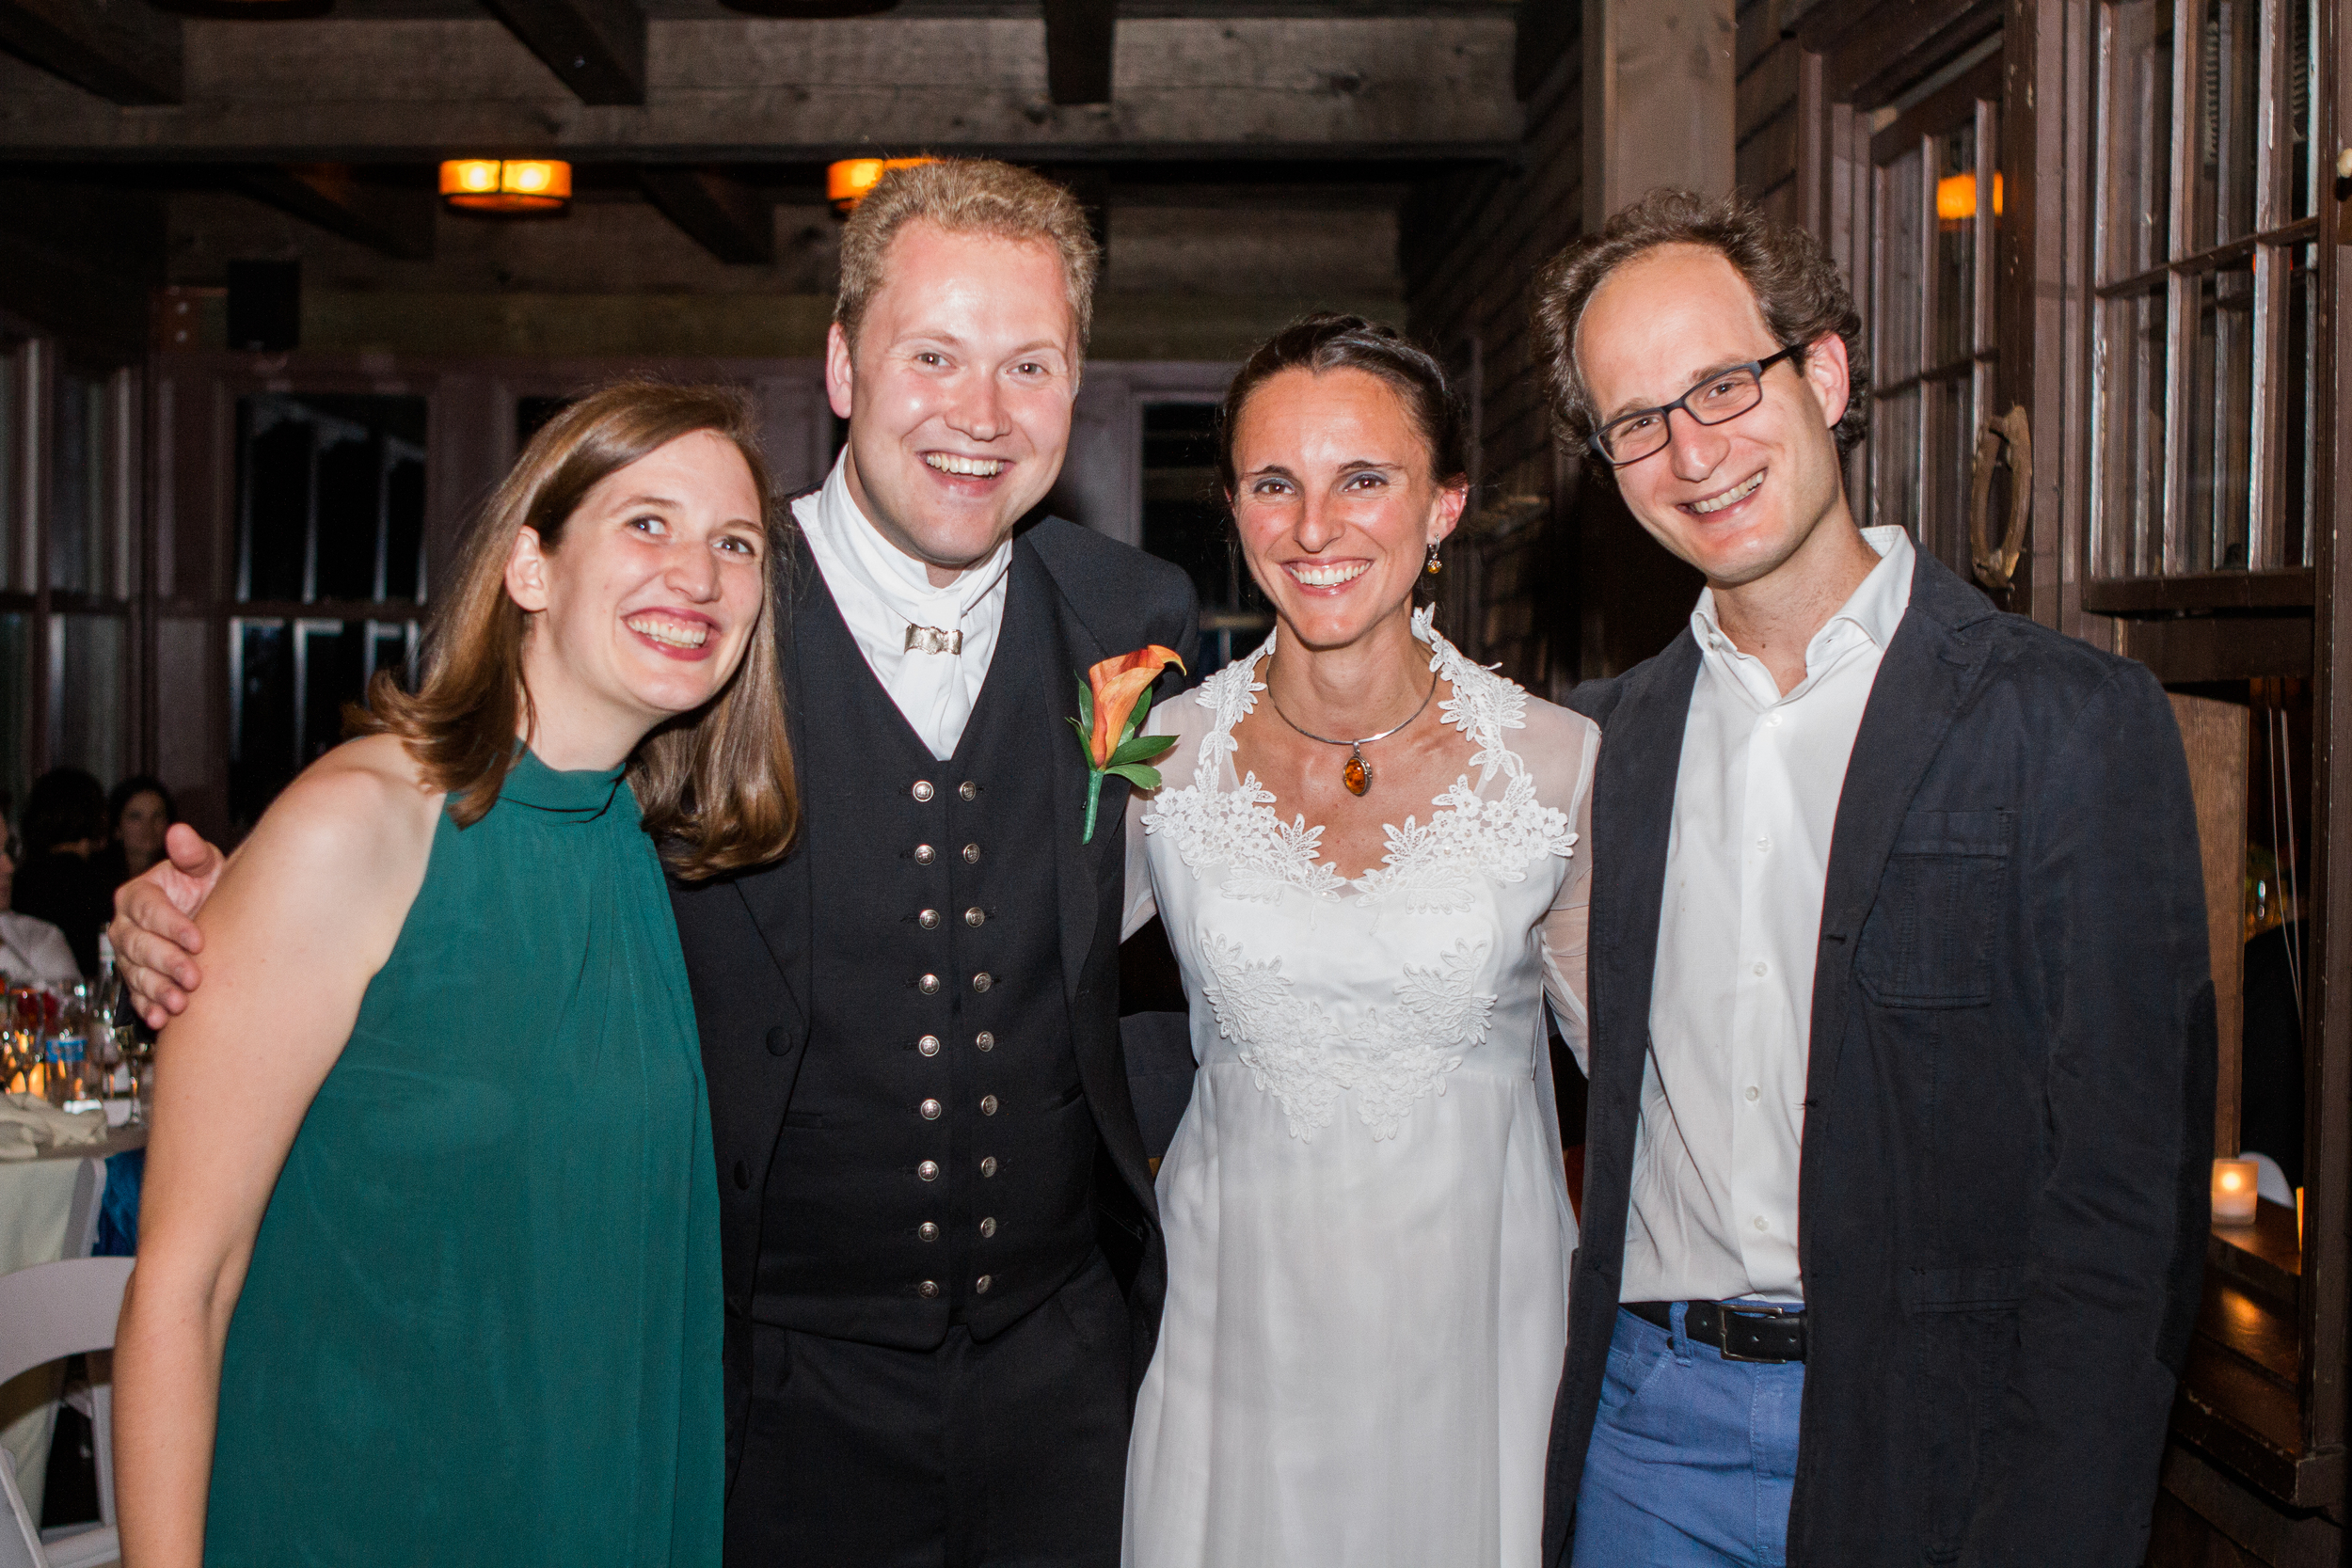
(1902, 1053)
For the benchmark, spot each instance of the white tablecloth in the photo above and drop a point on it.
(41, 1222)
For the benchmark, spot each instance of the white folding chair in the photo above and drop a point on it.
(48, 1313)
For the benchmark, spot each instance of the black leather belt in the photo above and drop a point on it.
(1744, 1331)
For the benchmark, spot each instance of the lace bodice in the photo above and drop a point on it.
(1385, 985)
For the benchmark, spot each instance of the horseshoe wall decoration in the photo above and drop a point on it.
(1997, 568)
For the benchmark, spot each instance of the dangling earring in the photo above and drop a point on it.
(1435, 564)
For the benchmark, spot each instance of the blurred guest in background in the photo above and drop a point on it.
(59, 878)
(31, 951)
(138, 811)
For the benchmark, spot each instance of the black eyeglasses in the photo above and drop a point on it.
(1725, 395)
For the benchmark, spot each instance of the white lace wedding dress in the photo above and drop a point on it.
(1368, 1225)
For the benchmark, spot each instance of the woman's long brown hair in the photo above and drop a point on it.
(716, 785)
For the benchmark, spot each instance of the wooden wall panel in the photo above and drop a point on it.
(1470, 249)
(2214, 736)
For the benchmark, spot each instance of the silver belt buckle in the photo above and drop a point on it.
(1727, 1311)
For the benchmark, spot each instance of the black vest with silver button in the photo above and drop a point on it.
(936, 1162)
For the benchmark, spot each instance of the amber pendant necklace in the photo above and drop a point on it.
(1357, 775)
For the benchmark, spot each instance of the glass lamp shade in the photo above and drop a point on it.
(847, 181)
(506, 185)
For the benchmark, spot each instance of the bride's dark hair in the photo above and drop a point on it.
(1328, 341)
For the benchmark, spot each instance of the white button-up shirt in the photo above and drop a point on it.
(1714, 1213)
(881, 591)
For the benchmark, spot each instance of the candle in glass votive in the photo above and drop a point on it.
(2233, 1192)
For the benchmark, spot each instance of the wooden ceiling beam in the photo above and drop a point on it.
(397, 222)
(1080, 37)
(742, 89)
(125, 51)
(595, 47)
(731, 219)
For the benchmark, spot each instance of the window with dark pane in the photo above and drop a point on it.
(532, 412)
(79, 534)
(2205, 296)
(1935, 196)
(1184, 522)
(86, 721)
(15, 710)
(332, 494)
(262, 734)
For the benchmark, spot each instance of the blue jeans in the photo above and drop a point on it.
(1692, 1458)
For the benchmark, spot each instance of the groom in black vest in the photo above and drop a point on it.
(943, 1267)
(943, 1259)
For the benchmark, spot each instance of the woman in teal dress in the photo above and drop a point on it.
(429, 1264)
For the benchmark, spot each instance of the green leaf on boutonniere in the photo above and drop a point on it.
(1137, 773)
(1142, 748)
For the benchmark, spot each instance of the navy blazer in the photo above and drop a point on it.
(2003, 1198)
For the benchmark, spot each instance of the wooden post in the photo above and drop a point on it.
(2214, 736)
(1661, 85)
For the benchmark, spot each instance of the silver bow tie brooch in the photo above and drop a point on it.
(930, 640)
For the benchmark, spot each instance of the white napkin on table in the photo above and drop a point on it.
(29, 1123)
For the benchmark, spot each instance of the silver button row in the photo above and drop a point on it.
(923, 790)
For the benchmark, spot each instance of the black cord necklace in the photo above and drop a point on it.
(1357, 775)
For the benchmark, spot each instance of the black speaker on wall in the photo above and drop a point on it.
(265, 307)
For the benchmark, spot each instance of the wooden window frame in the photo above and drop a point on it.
(2269, 579)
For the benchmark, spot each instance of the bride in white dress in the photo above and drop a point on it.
(1368, 1225)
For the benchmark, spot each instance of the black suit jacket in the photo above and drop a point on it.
(2003, 1197)
(749, 969)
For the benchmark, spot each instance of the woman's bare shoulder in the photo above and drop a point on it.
(362, 811)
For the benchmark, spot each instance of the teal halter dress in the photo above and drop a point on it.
(481, 1324)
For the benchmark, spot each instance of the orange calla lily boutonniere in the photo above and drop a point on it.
(1113, 702)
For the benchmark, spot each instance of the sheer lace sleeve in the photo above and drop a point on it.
(1172, 717)
(1561, 749)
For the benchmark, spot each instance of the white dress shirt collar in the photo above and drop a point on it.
(881, 591)
(1871, 611)
(848, 546)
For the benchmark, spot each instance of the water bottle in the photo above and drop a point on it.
(69, 1051)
